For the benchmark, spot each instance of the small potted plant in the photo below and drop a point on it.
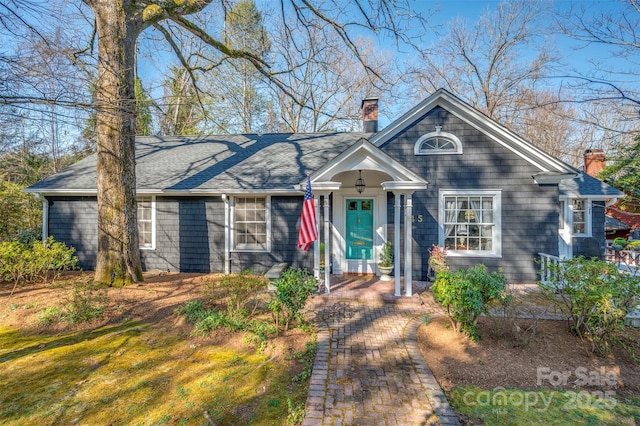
(385, 265)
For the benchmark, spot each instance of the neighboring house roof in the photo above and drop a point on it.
(612, 224)
(632, 220)
(214, 164)
(588, 187)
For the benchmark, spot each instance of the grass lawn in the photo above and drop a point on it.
(502, 407)
(137, 373)
(144, 370)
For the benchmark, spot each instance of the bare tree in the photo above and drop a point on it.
(328, 81)
(493, 62)
(616, 27)
(118, 26)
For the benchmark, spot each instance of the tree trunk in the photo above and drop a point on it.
(117, 28)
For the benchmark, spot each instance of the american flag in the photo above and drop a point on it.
(308, 225)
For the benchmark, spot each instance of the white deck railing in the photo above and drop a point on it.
(626, 260)
(546, 260)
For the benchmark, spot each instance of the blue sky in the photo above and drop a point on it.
(573, 54)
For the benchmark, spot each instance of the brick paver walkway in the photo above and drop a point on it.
(368, 369)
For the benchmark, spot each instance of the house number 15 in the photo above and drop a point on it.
(419, 218)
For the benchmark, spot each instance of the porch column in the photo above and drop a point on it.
(316, 243)
(408, 239)
(396, 240)
(327, 238)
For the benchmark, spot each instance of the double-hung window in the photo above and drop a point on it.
(146, 222)
(470, 222)
(580, 217)
(251, 223)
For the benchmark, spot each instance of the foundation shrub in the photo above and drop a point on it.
(596, 295)
(35, 261)
(466, 294)
(293, 289)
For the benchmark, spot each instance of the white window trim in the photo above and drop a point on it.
(497, 220)
(587, 217)
(440, 134)
(153, 223)
(232, 227)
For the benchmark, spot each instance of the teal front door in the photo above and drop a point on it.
(359, 230)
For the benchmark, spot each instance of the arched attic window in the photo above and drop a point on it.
(437, 143)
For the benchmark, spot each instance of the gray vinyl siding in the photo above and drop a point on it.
(598, 221)
(189, 234)
(74, 221)
(529, 211)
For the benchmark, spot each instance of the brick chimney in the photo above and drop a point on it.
(370, 115)
(593, 161)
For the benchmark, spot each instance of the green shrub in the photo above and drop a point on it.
(633, 245)
(50, 315)
(595, 295)
(34, 261)
(293, 289)
(207, 320)
(466, 294)
(18, 210)
(192, 310)
(621, 242)
(237, 291)
(29, 236)
(86, 304)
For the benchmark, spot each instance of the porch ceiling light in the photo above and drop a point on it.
(360, 183)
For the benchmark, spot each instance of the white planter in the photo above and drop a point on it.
(384, 272)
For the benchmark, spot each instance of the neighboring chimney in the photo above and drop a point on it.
(370, 115)
(593, 161)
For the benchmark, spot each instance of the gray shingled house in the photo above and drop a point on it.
(233, 202)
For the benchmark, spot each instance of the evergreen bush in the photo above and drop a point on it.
(466, 294)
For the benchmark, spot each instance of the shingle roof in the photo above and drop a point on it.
(613, 224)
(587, 186)
(215, 164)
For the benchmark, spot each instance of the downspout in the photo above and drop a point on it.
(45, 216)
(227, 242)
